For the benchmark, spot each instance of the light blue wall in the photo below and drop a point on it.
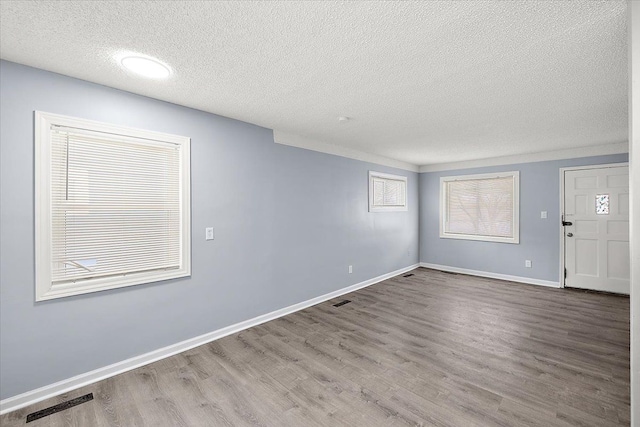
(288, 222)
(539, 238)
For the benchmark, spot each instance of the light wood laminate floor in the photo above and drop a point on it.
(434, 349)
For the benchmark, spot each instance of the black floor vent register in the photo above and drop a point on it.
(59, 407)
(408, 275)
(341, 303)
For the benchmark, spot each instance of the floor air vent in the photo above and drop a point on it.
(341, 303)
(408, 275)
(59, 407)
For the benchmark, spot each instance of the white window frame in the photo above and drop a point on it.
(516, 207)
(45, 290)
(372, 208)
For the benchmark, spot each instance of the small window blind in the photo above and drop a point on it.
(115, 205)
(484, 208)
(387, 192)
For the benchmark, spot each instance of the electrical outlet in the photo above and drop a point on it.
(543, 214)
(350, 269)
(527, 263)
(209, 233)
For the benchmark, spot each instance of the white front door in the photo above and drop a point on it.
(596, 234)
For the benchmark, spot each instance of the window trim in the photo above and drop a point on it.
(372, 208)
(44, 290)
(516, 207)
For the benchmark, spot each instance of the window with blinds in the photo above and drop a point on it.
(387, 192)
(480, 207)
(112, 206)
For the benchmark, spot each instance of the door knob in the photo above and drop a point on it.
(569, 234)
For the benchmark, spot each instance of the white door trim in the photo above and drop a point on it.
(562, 171)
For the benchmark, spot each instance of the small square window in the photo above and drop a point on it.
(387, 193)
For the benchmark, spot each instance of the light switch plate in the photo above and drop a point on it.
(527, 263)
(209, 233)
(543, 214)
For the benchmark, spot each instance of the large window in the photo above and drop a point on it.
(387, 193)
(480, 207)
(112, 206)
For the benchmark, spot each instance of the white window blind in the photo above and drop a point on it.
(117, 211)
(480, 207)
(387, 192)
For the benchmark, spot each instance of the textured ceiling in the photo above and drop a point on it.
(424, 82)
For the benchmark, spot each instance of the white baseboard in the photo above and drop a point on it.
(51, 390)
(488, 274)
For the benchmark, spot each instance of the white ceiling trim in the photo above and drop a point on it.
(572, 153)
(323, 147)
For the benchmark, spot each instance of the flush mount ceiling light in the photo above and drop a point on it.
(343, 119)
(146, 67)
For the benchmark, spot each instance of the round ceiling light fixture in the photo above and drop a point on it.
(343, 119)
(147, 67)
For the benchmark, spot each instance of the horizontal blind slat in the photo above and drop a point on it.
(389, 192)
(115, 204)
(482, 207)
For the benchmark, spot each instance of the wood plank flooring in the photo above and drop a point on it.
(434, 349)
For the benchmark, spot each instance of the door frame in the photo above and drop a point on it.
(561, 227)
